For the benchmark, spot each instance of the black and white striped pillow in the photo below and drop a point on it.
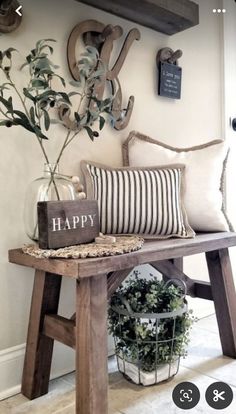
(146, 201)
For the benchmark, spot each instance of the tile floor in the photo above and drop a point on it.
(203, 366)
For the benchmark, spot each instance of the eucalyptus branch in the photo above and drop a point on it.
(43, 149)
(83, 95)
(72, 138)
(58, 159)
(29, 119)
(38, 111)
(20, 97)
(39, 96)
(63, 146)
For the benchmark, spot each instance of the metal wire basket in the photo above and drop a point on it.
(159, 325)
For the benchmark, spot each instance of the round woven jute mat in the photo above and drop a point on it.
(123, 244)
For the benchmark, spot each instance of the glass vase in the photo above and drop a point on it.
(50, 187)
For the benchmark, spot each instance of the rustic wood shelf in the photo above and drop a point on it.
(164, 16)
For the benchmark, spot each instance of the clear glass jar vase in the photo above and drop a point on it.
(51, 187)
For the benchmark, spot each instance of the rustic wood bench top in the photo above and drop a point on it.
(153, 250)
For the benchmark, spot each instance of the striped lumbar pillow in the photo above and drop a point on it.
(145, 201)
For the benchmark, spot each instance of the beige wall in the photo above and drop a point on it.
(193, 120)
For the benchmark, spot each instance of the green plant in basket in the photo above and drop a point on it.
(144, 340)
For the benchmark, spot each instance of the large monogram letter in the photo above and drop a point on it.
(102, 37)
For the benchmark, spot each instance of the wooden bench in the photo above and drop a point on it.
(96, 279)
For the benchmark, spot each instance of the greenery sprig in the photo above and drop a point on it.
(39, 97)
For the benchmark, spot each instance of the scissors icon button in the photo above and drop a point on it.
(219, 395)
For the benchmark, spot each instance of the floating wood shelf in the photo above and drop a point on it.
(165, 16)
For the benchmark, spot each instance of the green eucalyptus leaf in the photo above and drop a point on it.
(29, 59)
(74, 93)
(39, 133)
(22, 116)
(84, 120)
(25, 124)
(46, 120)
(46, 72)
(107, 110)
(97, 101)
(84, 61)
(102, 122)
(92, 51)
(42, 62)
(10, 103)
(5, 84)
(106, 102)
(29, 95)
(46, 95)
(6, 103)
(8, 52)
(7, 71)
(41, 43)
(32, 115)
(3, 88)
(11, 49)
(89, 132)
(93, 115)
(65, 97)
(84, 72)
(39, 84)
(75, 83)
(61, 79)
(50, 48)
(77, 117)
(40, 57)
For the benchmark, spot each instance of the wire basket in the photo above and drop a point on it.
(162, 340)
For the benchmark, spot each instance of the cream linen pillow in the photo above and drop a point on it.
(204, 175)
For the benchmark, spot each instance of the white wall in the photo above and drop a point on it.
(194, 119)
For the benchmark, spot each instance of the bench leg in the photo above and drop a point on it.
(91, 346)
(39, 348)
(223, 292)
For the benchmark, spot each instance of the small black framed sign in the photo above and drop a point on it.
(170, 79)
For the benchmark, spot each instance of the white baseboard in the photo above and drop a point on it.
(11, 367)
(12, 359)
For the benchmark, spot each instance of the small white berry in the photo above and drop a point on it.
(80, 188)
(75, 179)
(81, 196)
